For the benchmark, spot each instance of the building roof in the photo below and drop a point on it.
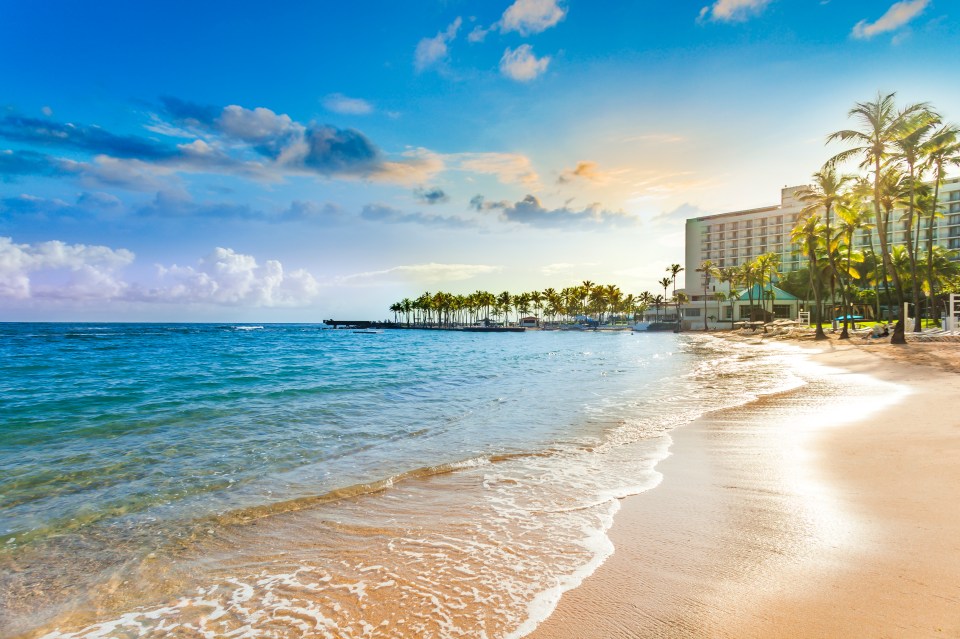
(779, 294)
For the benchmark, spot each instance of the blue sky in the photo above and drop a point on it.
(215, 161)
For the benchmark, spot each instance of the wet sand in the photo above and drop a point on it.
(797, 518)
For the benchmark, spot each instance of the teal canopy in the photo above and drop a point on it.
(780, 294)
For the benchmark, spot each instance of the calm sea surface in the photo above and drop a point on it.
(284, 481)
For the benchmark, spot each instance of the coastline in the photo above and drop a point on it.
(763, 529)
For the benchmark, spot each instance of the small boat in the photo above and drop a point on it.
(368, 332)
(641, 326)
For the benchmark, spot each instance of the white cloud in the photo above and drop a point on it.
(84, 272)
(256, 125)
(521, 64)
(230, 278)
(423, 273)
(732, 10)
(899, 14)
(339, 103)
(531, 16)
(65, 272)
(431, 51)
(478, 34)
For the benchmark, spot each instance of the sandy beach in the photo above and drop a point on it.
(791, 517)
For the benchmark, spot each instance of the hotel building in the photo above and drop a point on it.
(730, 239)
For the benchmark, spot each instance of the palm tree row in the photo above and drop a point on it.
(588, 299)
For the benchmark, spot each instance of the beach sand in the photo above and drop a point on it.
(786, 518)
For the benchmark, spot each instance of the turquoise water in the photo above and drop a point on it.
(147, 464)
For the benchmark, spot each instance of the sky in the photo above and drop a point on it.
(296, 161)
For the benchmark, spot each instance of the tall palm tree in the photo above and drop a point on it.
(881, 124)
(826, 193)
(679, 299)
(908, 146)
(767, 271)
(809, 233)
(709, 270)
(658, 301)
(503, 304)
(674, 270)
(852, 218)
(942, 149)
(665, 283)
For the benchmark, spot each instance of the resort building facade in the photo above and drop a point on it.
(730, 239)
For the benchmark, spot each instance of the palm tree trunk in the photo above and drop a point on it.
(912, 254)
(883, 222)
(931, 283)
(814, 286)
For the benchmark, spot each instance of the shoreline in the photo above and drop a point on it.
(762, 531)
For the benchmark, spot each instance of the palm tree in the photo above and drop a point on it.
(908, 146)
(674, 270)
(665, 283)
(746, 275)
(826, 193)
(536, 298)
(658, 301)
(943, 148)
(766, 267)
(679, 299)
(645, 299)
(503, 304)
(720, 298)
(881, 125)
(709, 269)
(809, 234)
(853, 218)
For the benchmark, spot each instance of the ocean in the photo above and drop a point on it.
(202, 480)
